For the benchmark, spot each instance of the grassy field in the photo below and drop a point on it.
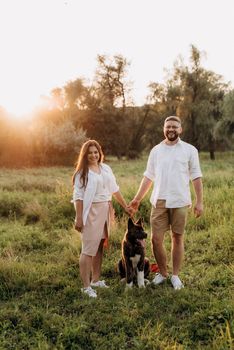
(40, 299)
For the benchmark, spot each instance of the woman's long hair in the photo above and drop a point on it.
(82, 166)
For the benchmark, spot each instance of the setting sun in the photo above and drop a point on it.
(19, 106)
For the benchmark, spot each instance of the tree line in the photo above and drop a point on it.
(104, 110)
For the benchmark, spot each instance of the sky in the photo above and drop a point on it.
(46, 43)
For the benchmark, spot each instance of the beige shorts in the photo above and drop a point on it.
(163, 219)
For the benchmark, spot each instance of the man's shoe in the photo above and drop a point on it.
(100, 284)
(176, 282)
(158, 279)
(89, 291)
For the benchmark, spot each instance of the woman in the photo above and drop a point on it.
(94, 184)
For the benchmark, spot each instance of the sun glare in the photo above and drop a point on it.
(19, 107)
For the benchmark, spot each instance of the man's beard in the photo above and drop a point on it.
(172, 136)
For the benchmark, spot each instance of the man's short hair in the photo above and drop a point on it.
(173, 118)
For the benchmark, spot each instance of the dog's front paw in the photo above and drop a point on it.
(128, 286)
(140, 279)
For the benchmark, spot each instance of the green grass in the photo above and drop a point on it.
(40, 299)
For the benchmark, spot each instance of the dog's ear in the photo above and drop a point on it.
(139, 222)
(130, 223)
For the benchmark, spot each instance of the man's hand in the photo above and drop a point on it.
(130, 211)
(198, 210)
(198, 187)
(143, 189)
(134, 205)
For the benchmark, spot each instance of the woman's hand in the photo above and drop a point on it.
(79, 217)
(78, 224)
(129, 211)
(134, 205)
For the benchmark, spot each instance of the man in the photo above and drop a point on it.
(171, 165)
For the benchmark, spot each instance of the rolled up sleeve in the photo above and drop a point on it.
(78, 190)
(150, 168)
(194, 165)
(113, 184)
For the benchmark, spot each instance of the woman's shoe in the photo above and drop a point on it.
(89, 291)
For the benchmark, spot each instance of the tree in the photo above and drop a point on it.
(196, 95)
(14, 148)
(104, 117)
(110, 80)
(56, 143)
(159, 106)
(203, 92)
(224, 130)
(75, 93)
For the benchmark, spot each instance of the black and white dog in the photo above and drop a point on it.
(133, 265)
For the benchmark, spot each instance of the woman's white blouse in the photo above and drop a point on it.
(102, 193)
(93, 191)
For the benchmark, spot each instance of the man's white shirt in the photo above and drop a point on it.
(171, 168)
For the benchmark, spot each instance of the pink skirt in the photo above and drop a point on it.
(96, 228)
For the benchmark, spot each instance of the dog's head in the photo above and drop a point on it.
(135, 230)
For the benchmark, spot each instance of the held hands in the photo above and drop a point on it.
(129, 211)
(133, 207)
